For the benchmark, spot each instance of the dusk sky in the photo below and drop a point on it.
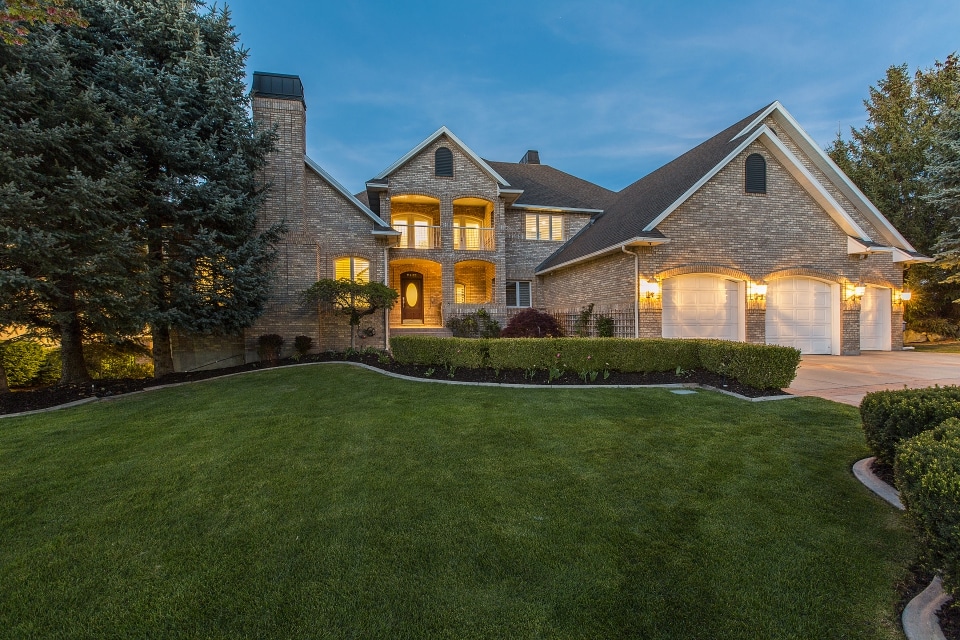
(607, 91)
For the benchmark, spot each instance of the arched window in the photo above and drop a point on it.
(443, 163)
(755, 174)
(352, 268)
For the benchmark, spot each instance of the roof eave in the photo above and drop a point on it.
(638, 241)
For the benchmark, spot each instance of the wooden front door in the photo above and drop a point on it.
(411, 297)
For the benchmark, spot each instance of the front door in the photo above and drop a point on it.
(411, 297)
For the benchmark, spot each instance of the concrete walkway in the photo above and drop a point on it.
(848, 378)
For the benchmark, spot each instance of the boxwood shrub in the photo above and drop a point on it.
(889, 417)
(759, 366)
(927, 472)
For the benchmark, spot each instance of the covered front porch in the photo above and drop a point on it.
(431, 291)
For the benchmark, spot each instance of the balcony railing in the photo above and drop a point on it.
(473, 238)
(418, 236)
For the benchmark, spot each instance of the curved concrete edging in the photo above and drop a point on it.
(399, 376)
(919, 618)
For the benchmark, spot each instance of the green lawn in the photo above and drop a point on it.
(329, 501)
(950, 346)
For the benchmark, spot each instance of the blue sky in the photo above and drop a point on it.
(605, 90)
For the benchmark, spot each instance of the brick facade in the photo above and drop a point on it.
(720, 230)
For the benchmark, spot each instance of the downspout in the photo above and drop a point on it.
(386, 312)
(636, 291)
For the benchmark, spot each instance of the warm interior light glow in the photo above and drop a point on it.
(756, 291)
(649, 289)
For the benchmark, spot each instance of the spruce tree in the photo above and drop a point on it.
(180, 75)
(70, 265)
(943, 176)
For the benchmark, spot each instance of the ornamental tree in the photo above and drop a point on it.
(350, 298)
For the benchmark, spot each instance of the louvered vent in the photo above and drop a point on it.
(755, 174)
(443, 163)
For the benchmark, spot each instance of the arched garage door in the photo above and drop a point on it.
(875, 320)
(800, 314)
(701, 306)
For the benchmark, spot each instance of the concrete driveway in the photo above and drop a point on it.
(848, 378)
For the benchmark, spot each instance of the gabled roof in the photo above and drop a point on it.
(380, 227)
(642, 206)
(548, 188)
(381, 177)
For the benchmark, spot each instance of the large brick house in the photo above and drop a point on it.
(753, 235)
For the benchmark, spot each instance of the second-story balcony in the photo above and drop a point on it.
(471, 238)
(418, 236)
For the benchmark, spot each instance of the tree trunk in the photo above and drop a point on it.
(4, 388)
(71, 352)
(162, 351)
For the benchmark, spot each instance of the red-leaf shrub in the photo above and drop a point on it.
(532, 324)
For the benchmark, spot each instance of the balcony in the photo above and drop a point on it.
(473, 238)
(418, 236)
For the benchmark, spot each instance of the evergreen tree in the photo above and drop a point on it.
(180, 74)
(943, 176)
(69, 263)
(888, 159)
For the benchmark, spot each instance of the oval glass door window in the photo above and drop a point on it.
(412, 296)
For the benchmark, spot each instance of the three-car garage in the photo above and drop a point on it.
(801, 312)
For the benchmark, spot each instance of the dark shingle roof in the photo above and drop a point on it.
(639, 204)
(545, 186)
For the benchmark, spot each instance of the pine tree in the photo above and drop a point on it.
(888, 159)
(943, 176)
(181, 77)
(69, 263)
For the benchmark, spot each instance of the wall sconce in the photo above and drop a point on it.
(649, 289)
(756, 291)
(905, 296)
(859, 290)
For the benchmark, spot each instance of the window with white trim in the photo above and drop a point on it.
(518, 293)
(352, 268)
(543, 226)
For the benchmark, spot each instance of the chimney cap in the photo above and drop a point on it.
(277, 85)
(531, 157)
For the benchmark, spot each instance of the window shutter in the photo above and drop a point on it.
(443, 162)
(755, 174)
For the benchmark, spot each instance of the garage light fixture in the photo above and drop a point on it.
(649, 289)
(756, 291)
(859, 290)
(904, 296)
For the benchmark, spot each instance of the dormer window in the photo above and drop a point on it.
(755, 174)
(443, 163)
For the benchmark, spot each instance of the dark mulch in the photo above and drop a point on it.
(32, 399)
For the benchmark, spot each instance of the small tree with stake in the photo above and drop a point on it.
(352, 299)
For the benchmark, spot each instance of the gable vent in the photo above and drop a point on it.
(755, 174)
(443, 163)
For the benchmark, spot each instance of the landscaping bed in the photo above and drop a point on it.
(44, 397)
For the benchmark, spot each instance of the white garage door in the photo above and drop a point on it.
(700, 306)
(800, 314)
(875, 320)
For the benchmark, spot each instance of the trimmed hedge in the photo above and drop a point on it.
(758, 366)
(927, 472)
(889, 417)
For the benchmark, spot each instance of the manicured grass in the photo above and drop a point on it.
(938, 347)
(329, 501)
